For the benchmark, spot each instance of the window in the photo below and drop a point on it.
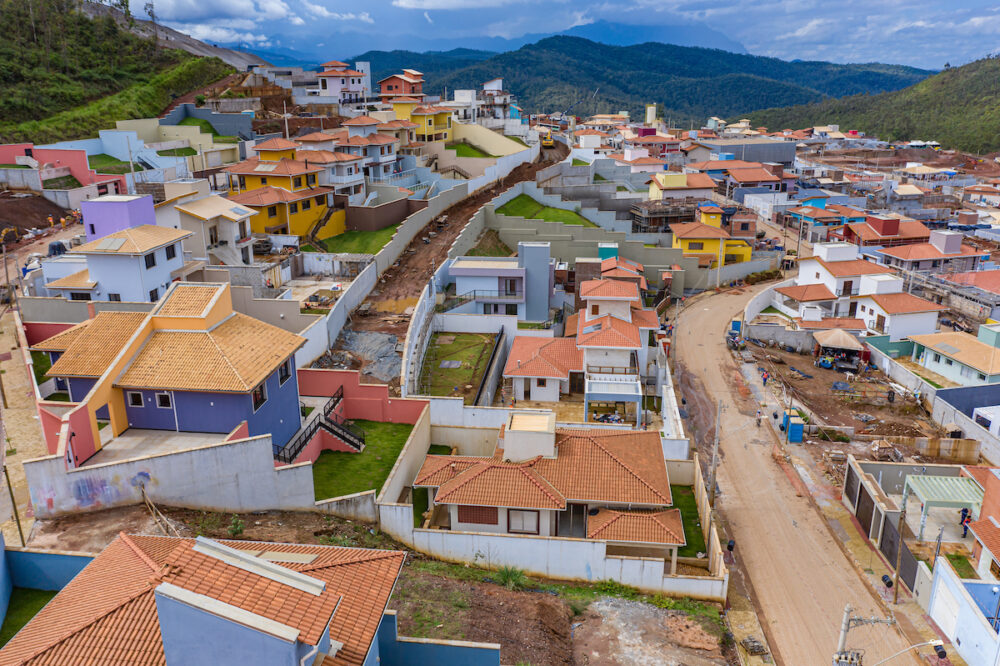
(164, 401)
(263, 180)
(320, 201)
(92, 231)
(481, 515)
(310, 179)
(511, 309)
(817, 275)
(171, 252)
(134, 399)
(114, 297)
(430, 122)
(540, 382)
(293, 208)
(982, 377)
(744, 226)
(285, 371)
(77, 296)
(595, 309)
(272, 211)
(154, 295)
(259, 396)
(994, 568)
(520, 521)
(243, 229)
(948, 361)
(150, 260)
(242, 183)
(307, 204)
(696, 245)
(937, 358)
(297, 182)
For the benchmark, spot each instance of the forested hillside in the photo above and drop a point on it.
(959, 107)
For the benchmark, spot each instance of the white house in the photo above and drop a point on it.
(966, 360)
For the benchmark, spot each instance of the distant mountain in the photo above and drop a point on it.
(690, 83)
(431, 63)
(957, 108)
(288, 58)
(621, 34)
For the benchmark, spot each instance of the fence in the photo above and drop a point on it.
(494, 368)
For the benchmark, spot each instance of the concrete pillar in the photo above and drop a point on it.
(673, 561)
(923, 522)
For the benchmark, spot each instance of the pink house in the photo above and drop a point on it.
(56, 162)
(408, 84)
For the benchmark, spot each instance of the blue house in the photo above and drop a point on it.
(190, 365)
(179, 602)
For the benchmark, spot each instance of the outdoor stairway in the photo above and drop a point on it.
(311, 236)
(337, 426)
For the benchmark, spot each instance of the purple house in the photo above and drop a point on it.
(114, 212)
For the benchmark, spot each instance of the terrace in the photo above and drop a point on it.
(524, 206)
(141, 443)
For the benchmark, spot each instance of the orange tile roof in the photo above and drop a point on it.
(985, 280)
(608, 331)
(283, 167)
(637, 526)
(981, 473)
(754, 175)
(498, 483)
(904, 303)
(623, 274)
(107, 614)
(277, 143)
(328, 156)
(645, 161)
(645, 318)
(907, 229)
(694, 181)
(397, 124)
(268, 196)
(919, 251)
(403, 100)
(846, 323)
(617, 467)
(987, 534)
(621, 262)
(360, 121)
(569, 329)
(78, 280)
(97, 345)
(341, 72)
(814, 212)
(851, 267)
(543, 357)
(376, 139)
(724, 165)
(314, 137)
(807, 293)
(429, 111)
(335, 63)
(187, 299)
(607, 288)
(697, 230)
(135, 240)
(589, 132)
(61, 341)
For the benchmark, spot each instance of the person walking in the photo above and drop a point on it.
(758, 418)
(965, 526)
(965, 513)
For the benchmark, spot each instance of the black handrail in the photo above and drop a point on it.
(351, 434)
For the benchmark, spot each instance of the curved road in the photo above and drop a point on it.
(800, 576)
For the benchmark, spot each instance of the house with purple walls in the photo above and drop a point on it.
(114, 212)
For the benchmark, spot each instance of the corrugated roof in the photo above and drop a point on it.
(134, 240)
(97, 344)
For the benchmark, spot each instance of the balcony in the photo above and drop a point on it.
(481, 296)
(612, 370)
(843, 291)
(345, 179)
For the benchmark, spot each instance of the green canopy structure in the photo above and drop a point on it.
(953, 492)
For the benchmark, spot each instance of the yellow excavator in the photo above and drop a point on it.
(547, 140)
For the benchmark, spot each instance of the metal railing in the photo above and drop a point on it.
(611, 370)
(848, 292)
(480, 295)
(350, 434)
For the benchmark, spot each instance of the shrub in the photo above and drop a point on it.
(235, 526)
(613, 588)
(199, 100)
(512, 578)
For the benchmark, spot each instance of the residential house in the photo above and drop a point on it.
(708, 242)
(987, 195)
(192, 364)
(497, 103)
(589, 139)
(839, 270)
(543, 369)
(433, 123)
(674, 185)
(943, 253)
(115, 212)
(879, 231)
(178, 601)
(347, 85)
(361, 138)
(638, 160)
(410, 83)
(742, 224)
(342, 170)
(894, 313)
(219, 231)
(966, 360)
(521, 285)
(136, 265)
(402, 131)
(819, 221)
(284, 192)
(587, 484)
(655, 145)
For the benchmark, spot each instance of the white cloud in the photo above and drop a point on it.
(273, 9)
(217, 34)
(322, 12)
(296, 20)
(451, 4)
(428, 17)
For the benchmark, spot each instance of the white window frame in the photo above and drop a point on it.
(169, 397)
(129, 394)
(522, 514)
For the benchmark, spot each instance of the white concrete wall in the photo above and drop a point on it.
(956, 613)
(547, 393)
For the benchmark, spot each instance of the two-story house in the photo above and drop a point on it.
(675, 185)
(522, 285)
(708, 242)
(433, 123)
(943, 253)
(880, 231)
(410, 83)
(340, 81)
(360, 137)
(342, 170)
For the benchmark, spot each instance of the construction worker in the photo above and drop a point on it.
(965, 526)
(50, 220)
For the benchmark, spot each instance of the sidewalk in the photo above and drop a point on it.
(808, 479)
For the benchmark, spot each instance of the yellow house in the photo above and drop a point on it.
(433, 123)
(710, 215)
(403, 107)
(712, 246)
(284, 192)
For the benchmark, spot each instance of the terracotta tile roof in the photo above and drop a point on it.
(645, 161)
(283, 167)
(964, 348)
(637, 526)
(397, 124)
(135, 240)
(623, 274)
(569, 330)
(722, 165)
(621, 262)
(617, 467)
(749, 175)
(429, 111)
(907, 229)
(277, 143)
(341, 72)
(335, 63)
(846, 323)
(697, 230)
(61, 341)
(314, 137)
(403, 100)
(212, 206)
(985, 280)
(903, 303)
(328, 156)
(807, 293)
(107, 614)
(919, 251)
(813, 212)
(498, 483)
(851, 267)
(543, 357)
(376, 139)
(78, 280)
(269, 196)
(608, 331)
(652, 138)
(607, 288)
(589, 132)
(988, 534)
(981, 473)
(234, 356)
(645, 318)
(187, 299)
(694, 181)
(360, 121)
(97, 345)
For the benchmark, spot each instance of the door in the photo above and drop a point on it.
(853, 310)
(576, 382)
(880, 324)
(573, 521)
(848, 287)
(865, 510)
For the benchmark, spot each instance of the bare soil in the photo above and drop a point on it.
(25, 213)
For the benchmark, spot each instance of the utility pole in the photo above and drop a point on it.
(843, 656)
(899, 555)
(131, 165)
(284, 114)
(715, 456)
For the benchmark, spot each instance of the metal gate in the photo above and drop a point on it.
(864, 511)
(907, 563)
(851, 483)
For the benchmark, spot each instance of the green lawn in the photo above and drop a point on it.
(58, 396)
(684, 500)
(359, 242)
(598, 178)
(532, 325)
(963, 567)
(207, 128)
(23, 606)
(472, 350)
(61, 183)
(41, 363)
(490, 245)
(313, 311)
(177, 152)
(14, 166)
(338, 473)
(420, 503)
(524, 206)
(467, 150)
(577, 162)
(102, 163)
(439, 450)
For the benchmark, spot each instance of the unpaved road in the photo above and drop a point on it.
(801, 577)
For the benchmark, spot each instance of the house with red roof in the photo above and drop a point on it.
(408, 83)
(347, 85)
(943, 253)
(881, 231)
(360, 137)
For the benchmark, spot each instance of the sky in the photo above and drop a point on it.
(923, 33)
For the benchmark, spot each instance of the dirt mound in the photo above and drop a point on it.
(26, 212)
(536, 628)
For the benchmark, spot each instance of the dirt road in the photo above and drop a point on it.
(800, 575)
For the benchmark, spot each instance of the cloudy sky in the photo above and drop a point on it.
(926, 33)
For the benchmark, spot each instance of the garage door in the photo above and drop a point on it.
(866, 508)
(944, 610)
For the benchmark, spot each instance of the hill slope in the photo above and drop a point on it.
(960, 108)
(431, 63)
(691, 83)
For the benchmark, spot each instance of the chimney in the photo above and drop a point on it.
(528, 435)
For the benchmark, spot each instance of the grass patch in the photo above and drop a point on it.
(598, 178)
(58, 396)
(104, 163)
(40, 363)
(532, 325)
(420, 503)
(316, 311)
(177, 152)
(14, 166)
(490, 245)
(963, 567)
(467, 150)
(61, 183)
(579, 162)
(360, 242)
(308, 248)
(771, 310)
(338, 473)
(472, 350)
(24, 605)
(524, 206)
(684, 500)
(622, 188)
(929, 381)
(306, 410)
(101, 425)
(517, 139)
(802, 415)
(207, 128)
(439, 450)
